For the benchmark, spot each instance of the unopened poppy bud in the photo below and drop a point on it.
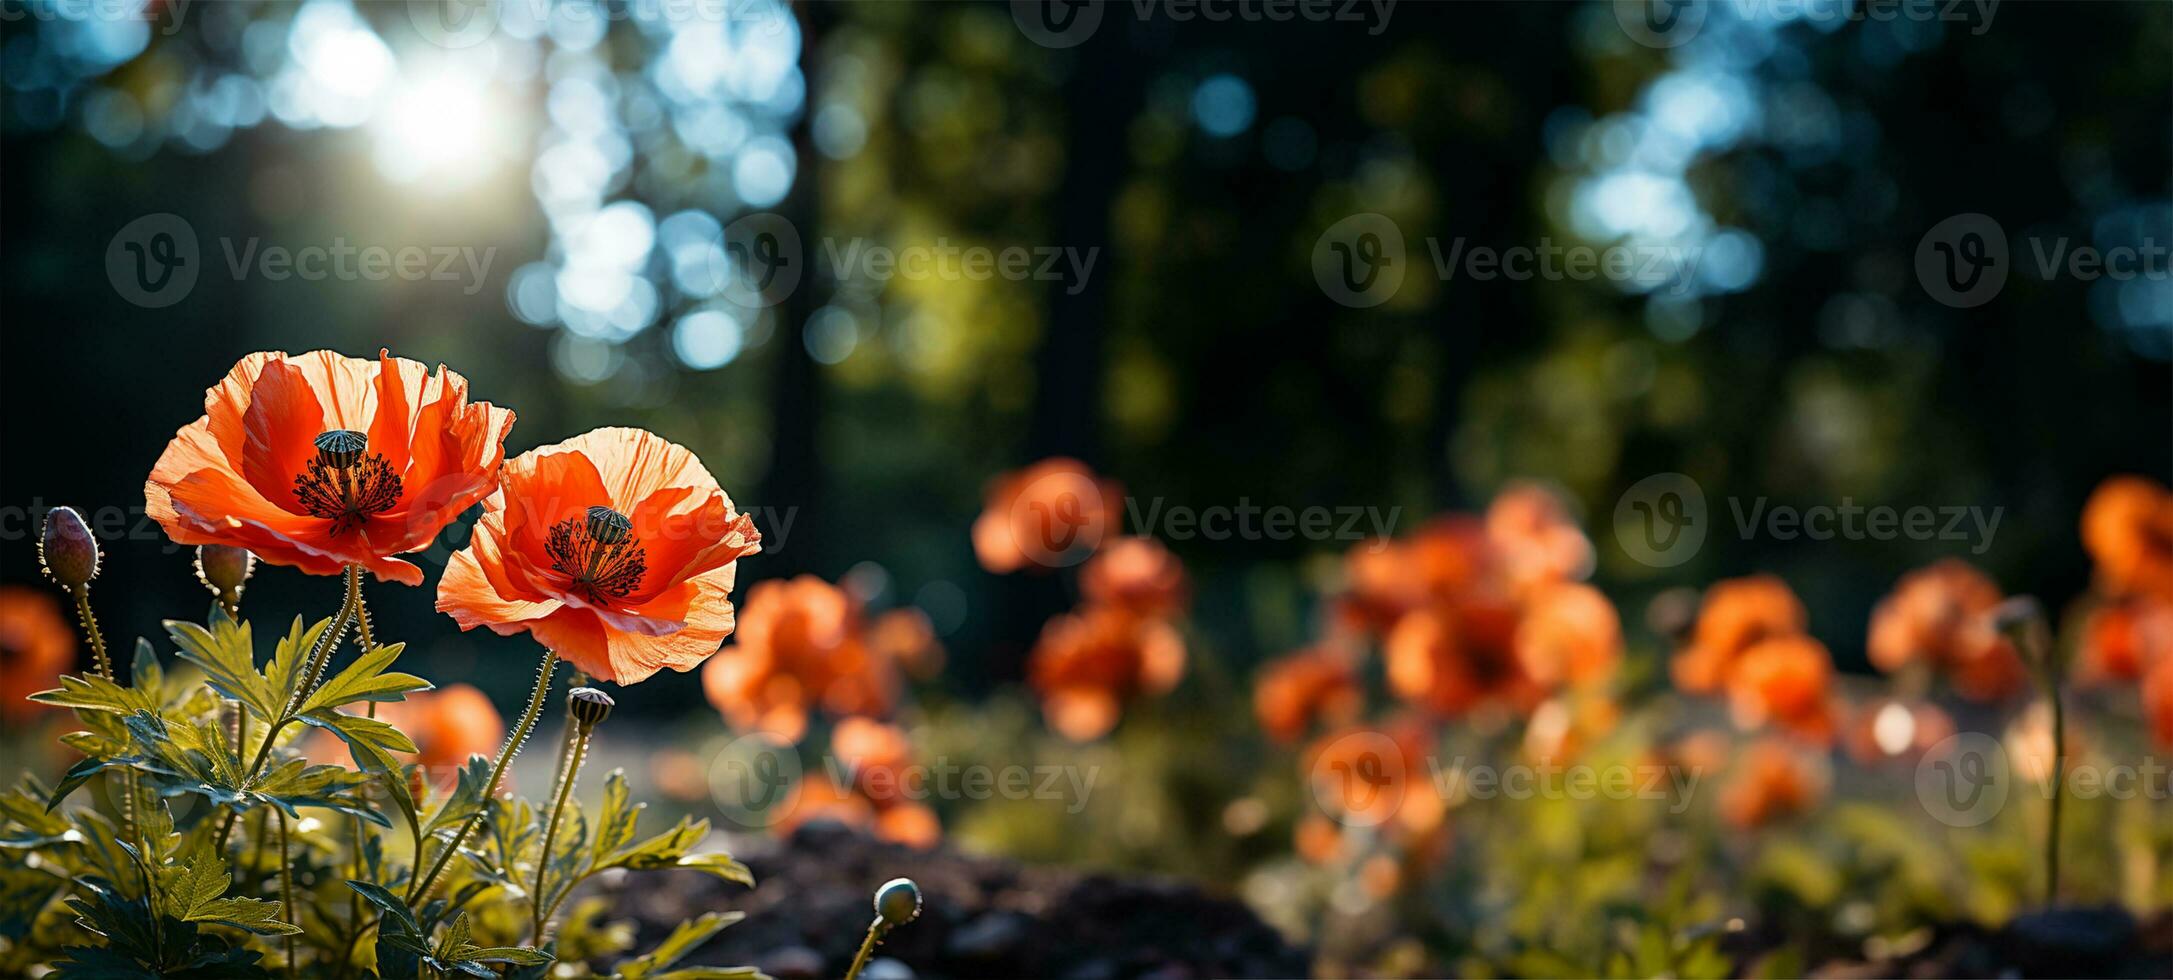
(224, 569)
(898, 902)
(67, 549)
(588, 706)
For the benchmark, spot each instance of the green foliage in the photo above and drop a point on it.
(188, 858)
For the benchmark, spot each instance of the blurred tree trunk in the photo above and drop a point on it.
(795, 477)
(1100, 96)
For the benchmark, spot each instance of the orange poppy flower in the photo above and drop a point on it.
(913, 825)
(878, 757)
(36, 647)
(1047, 515)
(906, 637)
(2127, 526)
(1772, 782)
(1736, 615)
(1787, 682)
(1311, 685)
(1537, 541)
(1570, 634)
(614, 549)
(1449, 661)
(799, 646)
(2123, 640)
(816, 798)
(1941, 615)
(1089, 664)
(320, 461)
(1136, 574)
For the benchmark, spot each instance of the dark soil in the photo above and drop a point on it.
(2063, 942)
(980, 917)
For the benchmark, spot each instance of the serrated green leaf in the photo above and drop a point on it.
(516, 955)
(719, 864)
(251, 914)
(365, 680)
(94, 694)
(371, 742)
(615, 822)
(226, 654)
(675, 947)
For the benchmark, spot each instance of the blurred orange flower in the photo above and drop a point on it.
(448, 725)
(1312, 685)
(36, 646)
(905, 636)
(1570, 634)
(799, 646)
(1941, 615)
(2127, 526)
(1785, 681)
(2124, 639)
(615, 549)
(319, 461)
(1771, 782)
(1090, 663)
(877, 759)
(1531, 530)
(1137, 575)
(1451, 661)
(1736, 615)
(1045, 515)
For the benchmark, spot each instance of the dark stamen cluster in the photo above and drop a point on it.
(346, 483)
(599, 552)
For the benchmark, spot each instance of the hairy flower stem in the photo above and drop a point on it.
(320, 654)
(88, 620)
(286, 886)
(570, 770)
(420, 891)
(876, 930)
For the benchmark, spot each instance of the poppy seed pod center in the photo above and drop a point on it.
(346, 483)
(599, 552)
(588, 706)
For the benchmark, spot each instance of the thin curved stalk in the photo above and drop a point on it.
(571, 771)
(421, 889)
